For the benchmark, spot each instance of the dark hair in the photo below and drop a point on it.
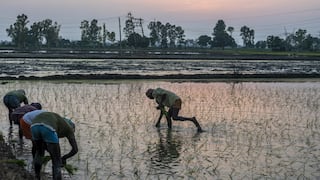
(149, 93)
(71, 124)
(36, 105)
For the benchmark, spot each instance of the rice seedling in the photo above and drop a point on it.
(68, 167)
(254, 130)
(15, 161)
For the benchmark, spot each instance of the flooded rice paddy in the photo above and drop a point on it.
(44, 67)
(253, 130)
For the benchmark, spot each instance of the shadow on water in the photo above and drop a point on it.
(15, 142)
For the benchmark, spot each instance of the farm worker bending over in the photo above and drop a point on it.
(173, 102)
(46, 129)
(25, 123)
(18, 113)
(13, 99)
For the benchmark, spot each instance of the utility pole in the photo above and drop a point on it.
(136, 22)
(120, 42)
(139, 22)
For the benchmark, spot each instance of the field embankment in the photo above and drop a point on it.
(229, 54)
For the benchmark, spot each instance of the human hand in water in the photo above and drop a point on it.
(160, 107)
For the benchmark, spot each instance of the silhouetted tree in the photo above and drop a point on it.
(261, 44)
(136, 40)
(247, 35)
(106, 35)
(155, 29)
(310, 43)
(220, 37)
(85, 31)
(230, 30)
(92, 34)
(94, 31)
(180, 35)
(50, 32)
(164, 36)
(35, 35)
(19, 31)
(275, 43)
(219, 34)
(111, 36)
(204, 40)
(299, 38)
(172, 34)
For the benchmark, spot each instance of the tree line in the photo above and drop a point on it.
(162, 35)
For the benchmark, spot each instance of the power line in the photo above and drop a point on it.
(309, 23)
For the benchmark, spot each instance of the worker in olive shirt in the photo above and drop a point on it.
(46, 129)
(13, 99)
(173, 102)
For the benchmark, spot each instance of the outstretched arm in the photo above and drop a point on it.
(25, 101)
(159, 101)
(73, 151)
(159, 119)
(164, 112)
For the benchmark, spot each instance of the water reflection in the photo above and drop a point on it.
(164, 155)
(21, 148)
(254, 130)
(15, 143)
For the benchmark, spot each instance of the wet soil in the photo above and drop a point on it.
(172, 77)
(60, 67)
(153, 54)
(11, 168)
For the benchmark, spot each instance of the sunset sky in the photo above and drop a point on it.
(196, 17)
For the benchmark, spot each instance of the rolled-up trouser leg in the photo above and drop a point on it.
(196, 123)
(169, 122)
(173, 112)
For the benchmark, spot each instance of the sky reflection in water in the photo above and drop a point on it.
(253, 130)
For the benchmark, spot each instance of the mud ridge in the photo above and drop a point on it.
(168, 77)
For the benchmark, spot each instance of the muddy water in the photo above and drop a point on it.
(253, 130)
(44, 67)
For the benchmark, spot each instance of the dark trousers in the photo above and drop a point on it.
(55, 154)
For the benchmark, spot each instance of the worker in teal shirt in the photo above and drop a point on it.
(46, 129)
(165, 98)
(13, 100)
